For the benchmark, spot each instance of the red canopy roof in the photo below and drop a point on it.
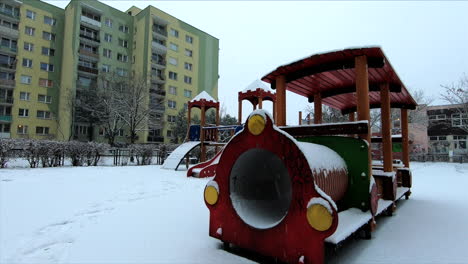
(333, 75)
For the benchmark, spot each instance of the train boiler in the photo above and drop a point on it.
(280, 197)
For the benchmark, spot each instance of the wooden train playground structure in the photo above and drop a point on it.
(286, 191)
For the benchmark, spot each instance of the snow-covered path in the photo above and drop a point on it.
(149, 215)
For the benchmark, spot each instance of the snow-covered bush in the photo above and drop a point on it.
(94, 151)
(143, 153)
(30, 151)
(76, 151)
(51, 153)
(6, 147)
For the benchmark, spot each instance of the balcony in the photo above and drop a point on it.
(9, 13)
(157, 79)
(160, 31)
(158, 62)
(8, 31)
(8, 100)
(88, 53)
(158, 91)
(8, 67)
(90, 21)
(7, 83)
(4, 134)
(89, 36)
(88, 69)
(5, 118)
(9, 50)
(159, 47)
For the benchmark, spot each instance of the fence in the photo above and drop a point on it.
(439, 158)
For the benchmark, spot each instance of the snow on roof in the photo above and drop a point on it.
(203, 96)
(258, 84)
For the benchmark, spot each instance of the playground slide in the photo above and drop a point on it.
(205, 169)
(174, 159)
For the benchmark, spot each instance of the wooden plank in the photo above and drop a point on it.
(327, 129)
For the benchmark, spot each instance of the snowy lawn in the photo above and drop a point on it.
(150, 215)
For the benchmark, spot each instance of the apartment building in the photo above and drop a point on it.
(48, 55)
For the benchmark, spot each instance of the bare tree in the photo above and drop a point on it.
(457, 94)
(329, 115)
(134, 105)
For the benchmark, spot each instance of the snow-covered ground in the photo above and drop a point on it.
(150, 215)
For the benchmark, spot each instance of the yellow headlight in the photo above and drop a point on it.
(256, 124)
(319, 217)
(211, 195)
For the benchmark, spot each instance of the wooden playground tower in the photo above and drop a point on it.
(204, 102)
(256, 93)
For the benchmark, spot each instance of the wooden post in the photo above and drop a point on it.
(405, 138)
(362, 94)
(274, 112)
(260, 103)
(281, 100)
(317, 108)
(308, 118)
(240, 112)
(300, 117)
(217, 129)
(386, 127)
(254, 106)
(202, 136)
(189, 116)
(351, 117)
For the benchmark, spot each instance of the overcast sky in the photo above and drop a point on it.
(426, 42)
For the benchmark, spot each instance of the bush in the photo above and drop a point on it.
(76, 151)
(94, 152)
(143, 153)
(6, 147)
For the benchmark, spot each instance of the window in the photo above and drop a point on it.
(171, 104)
(47, 67)
(174, 33)
(188, 39)
(44, 98)
(171, 119)
(27, 63)
(48, 36)
(28, 46)
(22, 130)
(107, 53)
(123, 28)
(108, 22)
(188, 52)
(169, 133)
(106, 68)
(23, 112)
(188, 93)
(9, 24)
(173, 61)
(438, 138)
(173, 46)
(25, 79)
(173, 90)
(31, 14)
(48, 51)
(81, 130)
(173, 75)
(43, 114)
(122, 57)
(5, 128)
(46, 83)
(187, 79)
(123, 43)
(50, 21)
(120, 133)
(459, 120)
(437, 117)
(29, 31)
(188, 66)
(122, 72)
(24, 96)
(107, 37)
(42, 130)
(460, 142)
